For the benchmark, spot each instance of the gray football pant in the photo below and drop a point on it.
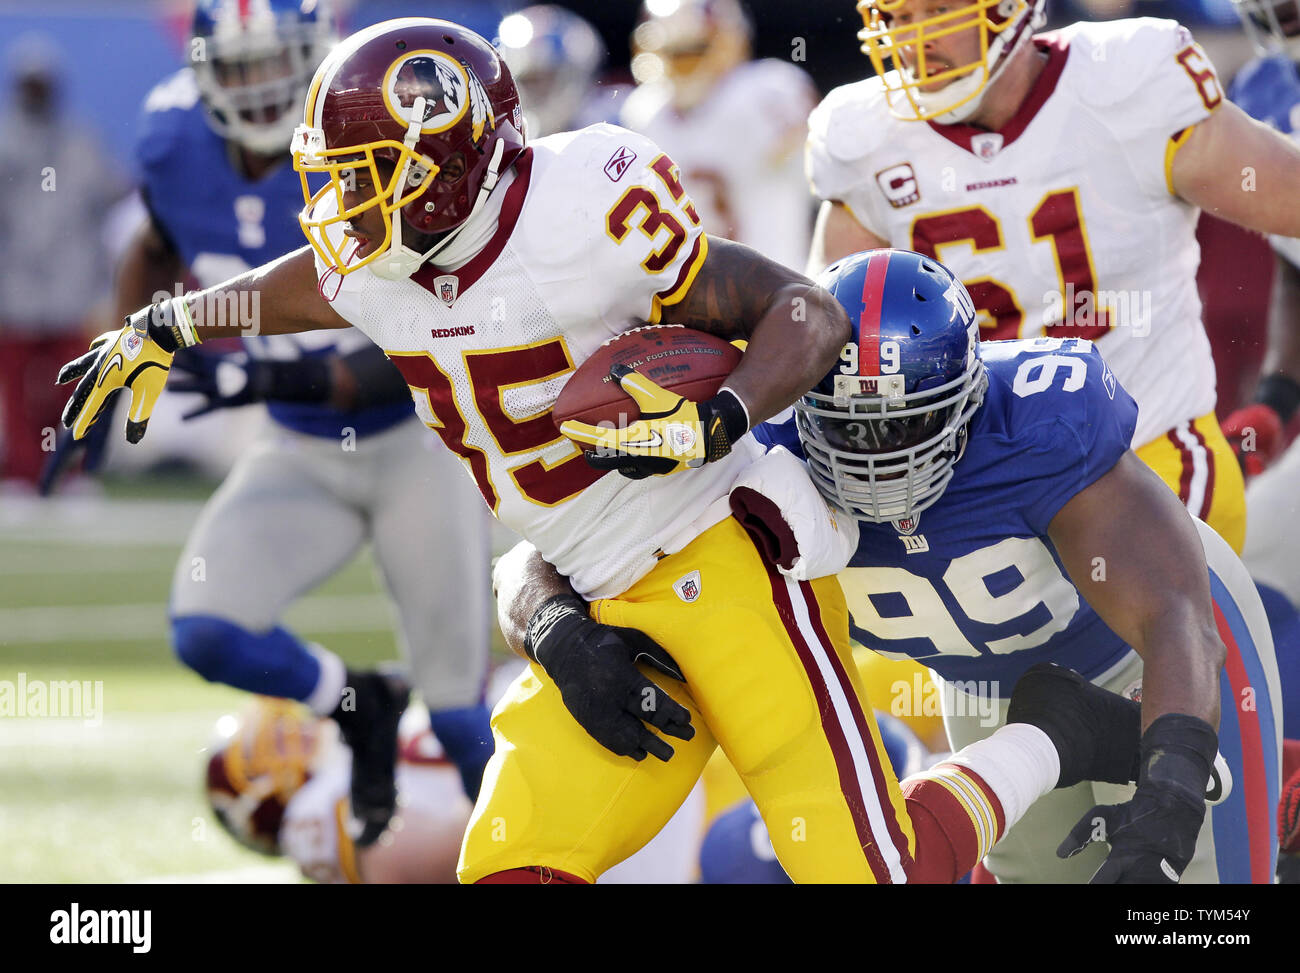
(297, 508)
(1027, 853)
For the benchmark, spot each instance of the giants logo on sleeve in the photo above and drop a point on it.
(899, 185)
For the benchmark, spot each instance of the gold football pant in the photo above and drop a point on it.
(769, 677)
(1197, 463)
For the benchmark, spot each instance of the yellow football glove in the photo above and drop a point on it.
(137, 357)
(672, 434)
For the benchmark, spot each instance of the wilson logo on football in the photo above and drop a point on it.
(899, 185)
(619, 163)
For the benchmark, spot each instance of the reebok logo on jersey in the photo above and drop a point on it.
(460, 332)
(1108, 380)
(688, 587)
(619, 163)
(899, 185)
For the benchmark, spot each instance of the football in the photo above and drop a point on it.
(691, 363)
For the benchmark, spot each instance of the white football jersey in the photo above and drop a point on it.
(739, 154)
(596, 234)
(1064, 222)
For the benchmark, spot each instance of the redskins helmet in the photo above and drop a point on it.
(259, 761)
(895, 39)
(690, 44)
(428, 98)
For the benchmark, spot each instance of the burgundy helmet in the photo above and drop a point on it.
(425, 95)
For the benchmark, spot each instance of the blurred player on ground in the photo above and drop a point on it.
(278, 781)
(344, 460)
(733, 125)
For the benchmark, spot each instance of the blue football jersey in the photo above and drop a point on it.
(222, 224)
(974, 588)
(1268, 88)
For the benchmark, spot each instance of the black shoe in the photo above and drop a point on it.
(372, 706)
(1097, 733)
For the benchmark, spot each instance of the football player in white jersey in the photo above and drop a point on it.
(1060, 176)
(342, 460)
(733, 125)
(488, 269)
(278, 781)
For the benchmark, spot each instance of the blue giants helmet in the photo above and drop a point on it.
(554, 56)
(253, 61)
(883, 430)
(1273, 26)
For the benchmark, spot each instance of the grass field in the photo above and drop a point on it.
(83, 589)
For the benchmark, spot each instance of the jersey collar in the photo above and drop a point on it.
(1057, 49)
(477, 266)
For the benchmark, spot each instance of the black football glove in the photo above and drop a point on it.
(228, 381)
(594, 667)
(1153, 836)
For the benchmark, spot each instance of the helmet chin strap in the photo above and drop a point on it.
(954, 92)
(490, 180)
(401, 261)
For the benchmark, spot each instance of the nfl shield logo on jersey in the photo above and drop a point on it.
(448, 285)
(688, 587)
(907, 525)
(986, 144)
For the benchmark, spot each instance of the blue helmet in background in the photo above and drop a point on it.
(253, 61)
(1273, 26)
(553, 55)
(883, 430)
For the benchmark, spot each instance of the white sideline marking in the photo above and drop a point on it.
(143, 621)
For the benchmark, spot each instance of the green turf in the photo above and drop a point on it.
(121, 800)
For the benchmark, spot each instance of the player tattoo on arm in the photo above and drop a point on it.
(1154, 592)
(795, 329)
